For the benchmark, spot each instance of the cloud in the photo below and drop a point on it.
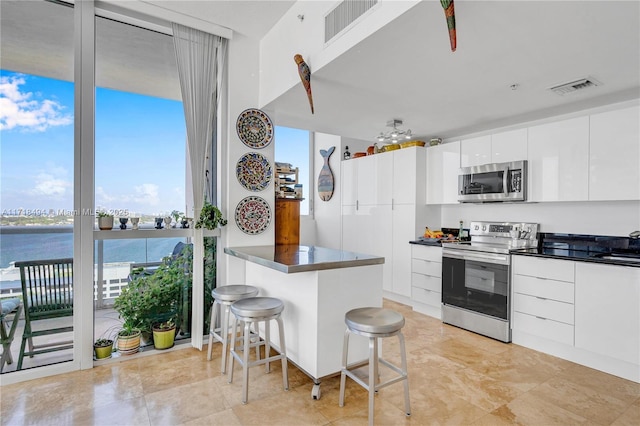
(19, 110)
(52, 183)
(147, 193)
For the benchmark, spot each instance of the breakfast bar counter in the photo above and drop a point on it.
(318, 287)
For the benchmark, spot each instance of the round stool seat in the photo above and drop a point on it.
(257, 307)
(231, 293)
(374, 320)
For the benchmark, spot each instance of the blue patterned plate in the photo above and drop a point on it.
(254, 171)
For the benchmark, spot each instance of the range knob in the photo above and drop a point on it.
(484, 227)
(476, 227)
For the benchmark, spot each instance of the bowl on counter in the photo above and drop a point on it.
(359, 154)
(412, 143)
(391, 147)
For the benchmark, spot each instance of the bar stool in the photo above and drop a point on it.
(374, 323)
(223, 298)
(249, 311)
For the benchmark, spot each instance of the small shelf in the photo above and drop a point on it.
(286, 181)
(125, 234)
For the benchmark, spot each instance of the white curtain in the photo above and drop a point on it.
(200, 58)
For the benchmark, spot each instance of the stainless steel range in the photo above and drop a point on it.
(476, 277)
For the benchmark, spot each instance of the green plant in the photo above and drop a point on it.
(101, 343)
(154, 297)
(104, 214)
(176, 215)
(165, 325)
(210, 217)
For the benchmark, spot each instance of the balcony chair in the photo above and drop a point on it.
(9, 306)
(47, 293)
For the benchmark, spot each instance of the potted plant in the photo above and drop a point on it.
(105, 221)
(102, 348)
(164, 334)
(210, 217)
(128, 339)
(176, 217)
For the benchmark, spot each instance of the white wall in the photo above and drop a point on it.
(588, 217)
(327, 214)
(278, 72)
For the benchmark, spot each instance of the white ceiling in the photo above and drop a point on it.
(406, 70)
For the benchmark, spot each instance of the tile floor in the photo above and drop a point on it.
(456, 377)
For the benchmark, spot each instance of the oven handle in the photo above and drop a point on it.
(500, 259)
(505, 180)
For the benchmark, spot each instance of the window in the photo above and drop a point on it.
(293, 146)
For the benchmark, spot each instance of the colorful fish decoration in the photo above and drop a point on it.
(325, 179)
(305, 77)
(449, 13)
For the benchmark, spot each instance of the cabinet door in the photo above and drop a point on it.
(475, 151)
(404, 175)
(443, 165)
(607, 310)
(350, 229)
(558, 155)
(349, 184)
(374, 179)
(404, 218)
(509, 146)
(614, 154)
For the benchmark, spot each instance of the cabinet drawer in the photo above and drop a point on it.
(427, 282)
(548, 329)
(426, 267)
(540, 287)
(428, 297)
(561, 270)
(426, 252)
(544, 308)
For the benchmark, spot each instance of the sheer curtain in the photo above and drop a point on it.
(200, 58)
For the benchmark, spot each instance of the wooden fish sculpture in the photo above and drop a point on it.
(325, 179)
(305, 77)
(449, 13)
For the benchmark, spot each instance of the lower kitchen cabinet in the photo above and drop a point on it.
(584, 312)
(607, 314)
(426, 280)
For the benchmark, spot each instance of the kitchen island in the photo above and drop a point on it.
(318, 286)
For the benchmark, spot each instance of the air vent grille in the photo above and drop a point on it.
(574, 86)
(343, 15)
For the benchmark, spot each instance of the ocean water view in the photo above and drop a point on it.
(28, 243)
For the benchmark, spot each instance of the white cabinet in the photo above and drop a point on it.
(614, 155)
(475, 151)
(543, 298)
(503, 147)
(558, 155)
(607, 314)
(382, 195)
(509, 146)
(443, 165)
(426, 280)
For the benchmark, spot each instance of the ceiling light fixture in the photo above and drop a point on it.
(394, 135)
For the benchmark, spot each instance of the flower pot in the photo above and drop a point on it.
(128, 345)
(103, 352)
(163, 338)
(105, 223)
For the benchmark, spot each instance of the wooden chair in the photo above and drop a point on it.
(47, 293)
(9, 306)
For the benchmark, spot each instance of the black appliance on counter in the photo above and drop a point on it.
(476, 283)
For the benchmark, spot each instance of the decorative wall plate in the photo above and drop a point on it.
(254, 128)
(254, 171)
(253, 215)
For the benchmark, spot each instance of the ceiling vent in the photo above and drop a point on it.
(574, 86)
(343, 15)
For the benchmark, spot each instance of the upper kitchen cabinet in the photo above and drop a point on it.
(614, 155)
(443, 165)
(501, 147)
(558, 155)
(409, 176)
(365, 180)
(349, 184)
(475, 151)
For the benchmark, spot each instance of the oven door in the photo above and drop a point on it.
(476, 281)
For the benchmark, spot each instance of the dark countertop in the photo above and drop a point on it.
(294, 258)
(608, 250)
(433, 242)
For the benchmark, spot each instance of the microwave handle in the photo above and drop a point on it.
(505, 180)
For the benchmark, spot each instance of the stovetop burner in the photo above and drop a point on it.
(499, 237)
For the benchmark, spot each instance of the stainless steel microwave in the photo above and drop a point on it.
(493, 182)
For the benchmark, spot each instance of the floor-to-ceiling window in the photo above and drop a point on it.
(36, 173)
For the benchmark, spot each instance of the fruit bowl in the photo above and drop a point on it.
(412, 143)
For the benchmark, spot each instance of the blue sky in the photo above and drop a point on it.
(140, 148)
